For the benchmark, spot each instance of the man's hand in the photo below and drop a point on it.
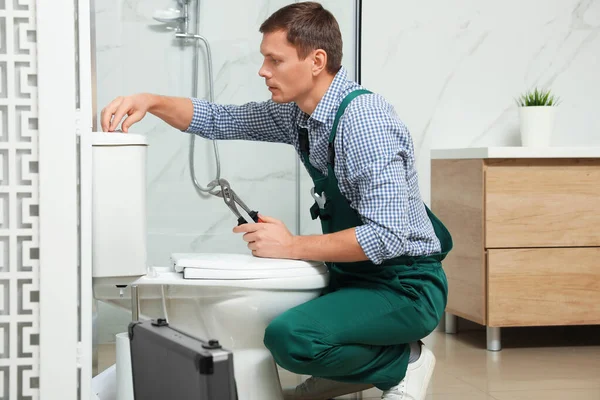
(175, 111)
(135, 107)
(269, 239)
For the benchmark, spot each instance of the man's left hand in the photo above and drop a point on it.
(269, 239)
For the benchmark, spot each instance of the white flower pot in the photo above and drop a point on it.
(537, 124)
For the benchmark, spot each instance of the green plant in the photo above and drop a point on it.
(537, 97)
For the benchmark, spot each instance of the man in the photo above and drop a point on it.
(383, 246)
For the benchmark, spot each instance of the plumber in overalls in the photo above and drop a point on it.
(382, 245)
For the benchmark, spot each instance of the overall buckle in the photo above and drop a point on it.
(318, 209)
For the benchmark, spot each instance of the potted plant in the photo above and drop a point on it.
(537, 110)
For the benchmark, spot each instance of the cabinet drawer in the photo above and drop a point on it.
(541, 287)
(542, 203)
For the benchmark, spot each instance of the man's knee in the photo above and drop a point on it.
(291, 341)
(274, 329)
(279, 336)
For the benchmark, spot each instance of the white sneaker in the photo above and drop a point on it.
(322, 389)
(415, 383)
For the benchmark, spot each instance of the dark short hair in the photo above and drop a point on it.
(309, 27)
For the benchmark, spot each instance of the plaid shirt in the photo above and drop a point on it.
(374, 160)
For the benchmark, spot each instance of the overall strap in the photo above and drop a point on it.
(303, 143)
(340, 112)
(305, 152)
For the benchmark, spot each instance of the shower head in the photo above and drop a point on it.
(168, 16)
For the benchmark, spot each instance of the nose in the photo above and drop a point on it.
(264, 72)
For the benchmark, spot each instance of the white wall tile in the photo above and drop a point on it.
(453, 69)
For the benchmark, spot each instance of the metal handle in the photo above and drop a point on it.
(135, 303)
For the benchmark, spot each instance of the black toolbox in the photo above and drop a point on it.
(169, 364)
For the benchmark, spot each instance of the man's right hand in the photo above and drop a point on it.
(175, 111)
(135, 107)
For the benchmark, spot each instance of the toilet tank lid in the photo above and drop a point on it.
(118, 139)
(227, 261)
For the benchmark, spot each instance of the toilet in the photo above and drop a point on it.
(226, 297)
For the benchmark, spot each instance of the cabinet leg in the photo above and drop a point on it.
(493, 339)
(451, 323)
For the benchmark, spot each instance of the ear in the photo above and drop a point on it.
(319, 61)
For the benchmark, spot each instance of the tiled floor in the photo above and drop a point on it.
(535, 364)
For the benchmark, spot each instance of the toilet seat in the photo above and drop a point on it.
(222, 266)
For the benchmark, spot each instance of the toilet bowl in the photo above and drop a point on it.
(228, 297)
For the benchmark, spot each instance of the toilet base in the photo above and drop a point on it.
(256, 375)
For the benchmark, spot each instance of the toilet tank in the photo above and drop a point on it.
(118, 206)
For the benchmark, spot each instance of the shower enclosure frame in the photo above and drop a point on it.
(65, 109)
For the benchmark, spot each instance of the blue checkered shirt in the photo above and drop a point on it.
(374, 160)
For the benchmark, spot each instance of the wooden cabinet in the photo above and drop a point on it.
(526, 234)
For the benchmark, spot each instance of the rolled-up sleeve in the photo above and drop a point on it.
(260, 121)
(375, 144)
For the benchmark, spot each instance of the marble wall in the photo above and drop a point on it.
(453, 69)
(135, 53)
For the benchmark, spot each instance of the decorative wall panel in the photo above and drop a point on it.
(19, 236)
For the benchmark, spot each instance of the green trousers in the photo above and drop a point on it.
(359, 330)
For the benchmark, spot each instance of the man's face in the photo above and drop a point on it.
(288, 78)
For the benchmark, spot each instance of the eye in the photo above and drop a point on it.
(275, 61)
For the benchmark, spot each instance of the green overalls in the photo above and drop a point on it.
(358, 329)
